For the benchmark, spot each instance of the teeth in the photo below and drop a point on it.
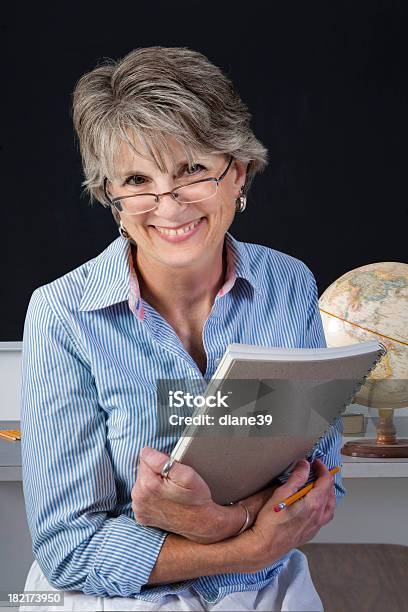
(179, 232)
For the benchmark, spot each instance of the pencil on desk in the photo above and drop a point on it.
(301, 493)
(11, 434)
(4, 435)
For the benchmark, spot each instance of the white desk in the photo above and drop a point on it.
(353, 467)
(374, 508)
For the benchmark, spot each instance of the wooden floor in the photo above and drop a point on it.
(360, 577)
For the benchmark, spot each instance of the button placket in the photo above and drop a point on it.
(213, 319)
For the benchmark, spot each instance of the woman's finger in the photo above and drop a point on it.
(323, 482)
(155, 459)
(183, 484)
(328, 512)
(179, 474)
(295, 481)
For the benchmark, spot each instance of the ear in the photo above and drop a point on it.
(106, 191)
(239, 174)
(116, 215)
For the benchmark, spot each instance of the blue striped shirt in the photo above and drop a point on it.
(93, 350)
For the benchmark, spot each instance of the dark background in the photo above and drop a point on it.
(327, 87)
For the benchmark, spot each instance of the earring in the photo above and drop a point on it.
(240, 203)
(123, 231)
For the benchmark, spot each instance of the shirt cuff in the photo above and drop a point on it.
(339, 489)
(125, 560)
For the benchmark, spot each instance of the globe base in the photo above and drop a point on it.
(369, 448)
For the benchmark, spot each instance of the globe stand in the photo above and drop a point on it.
(386, 445)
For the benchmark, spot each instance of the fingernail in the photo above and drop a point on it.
(145, 454)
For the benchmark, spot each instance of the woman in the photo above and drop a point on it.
(166, 143)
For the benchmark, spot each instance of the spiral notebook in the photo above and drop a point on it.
(293, 395)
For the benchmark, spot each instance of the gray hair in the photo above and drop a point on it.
(154, 92)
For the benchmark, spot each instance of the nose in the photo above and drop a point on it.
(169, 208)
(174, 195)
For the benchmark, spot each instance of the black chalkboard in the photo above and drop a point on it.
(327, 87)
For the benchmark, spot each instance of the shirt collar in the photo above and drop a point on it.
(112, 279)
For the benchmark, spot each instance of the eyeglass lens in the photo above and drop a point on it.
(186, 194)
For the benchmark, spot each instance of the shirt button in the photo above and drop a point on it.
(217, 361)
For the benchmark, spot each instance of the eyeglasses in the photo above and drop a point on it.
(197, 191)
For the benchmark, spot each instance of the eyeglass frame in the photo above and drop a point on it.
(114, 201)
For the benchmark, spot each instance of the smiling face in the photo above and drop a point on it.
(154, 231)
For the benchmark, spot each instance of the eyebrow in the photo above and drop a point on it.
(139, 172)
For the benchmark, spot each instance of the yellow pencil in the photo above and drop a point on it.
(301, 493)
(10, 434)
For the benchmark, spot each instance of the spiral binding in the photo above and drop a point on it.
(360, 382)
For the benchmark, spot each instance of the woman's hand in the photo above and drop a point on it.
(275, 533)
(182, 503)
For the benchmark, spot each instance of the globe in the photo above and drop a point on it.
(367, 303)
(371, 302)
